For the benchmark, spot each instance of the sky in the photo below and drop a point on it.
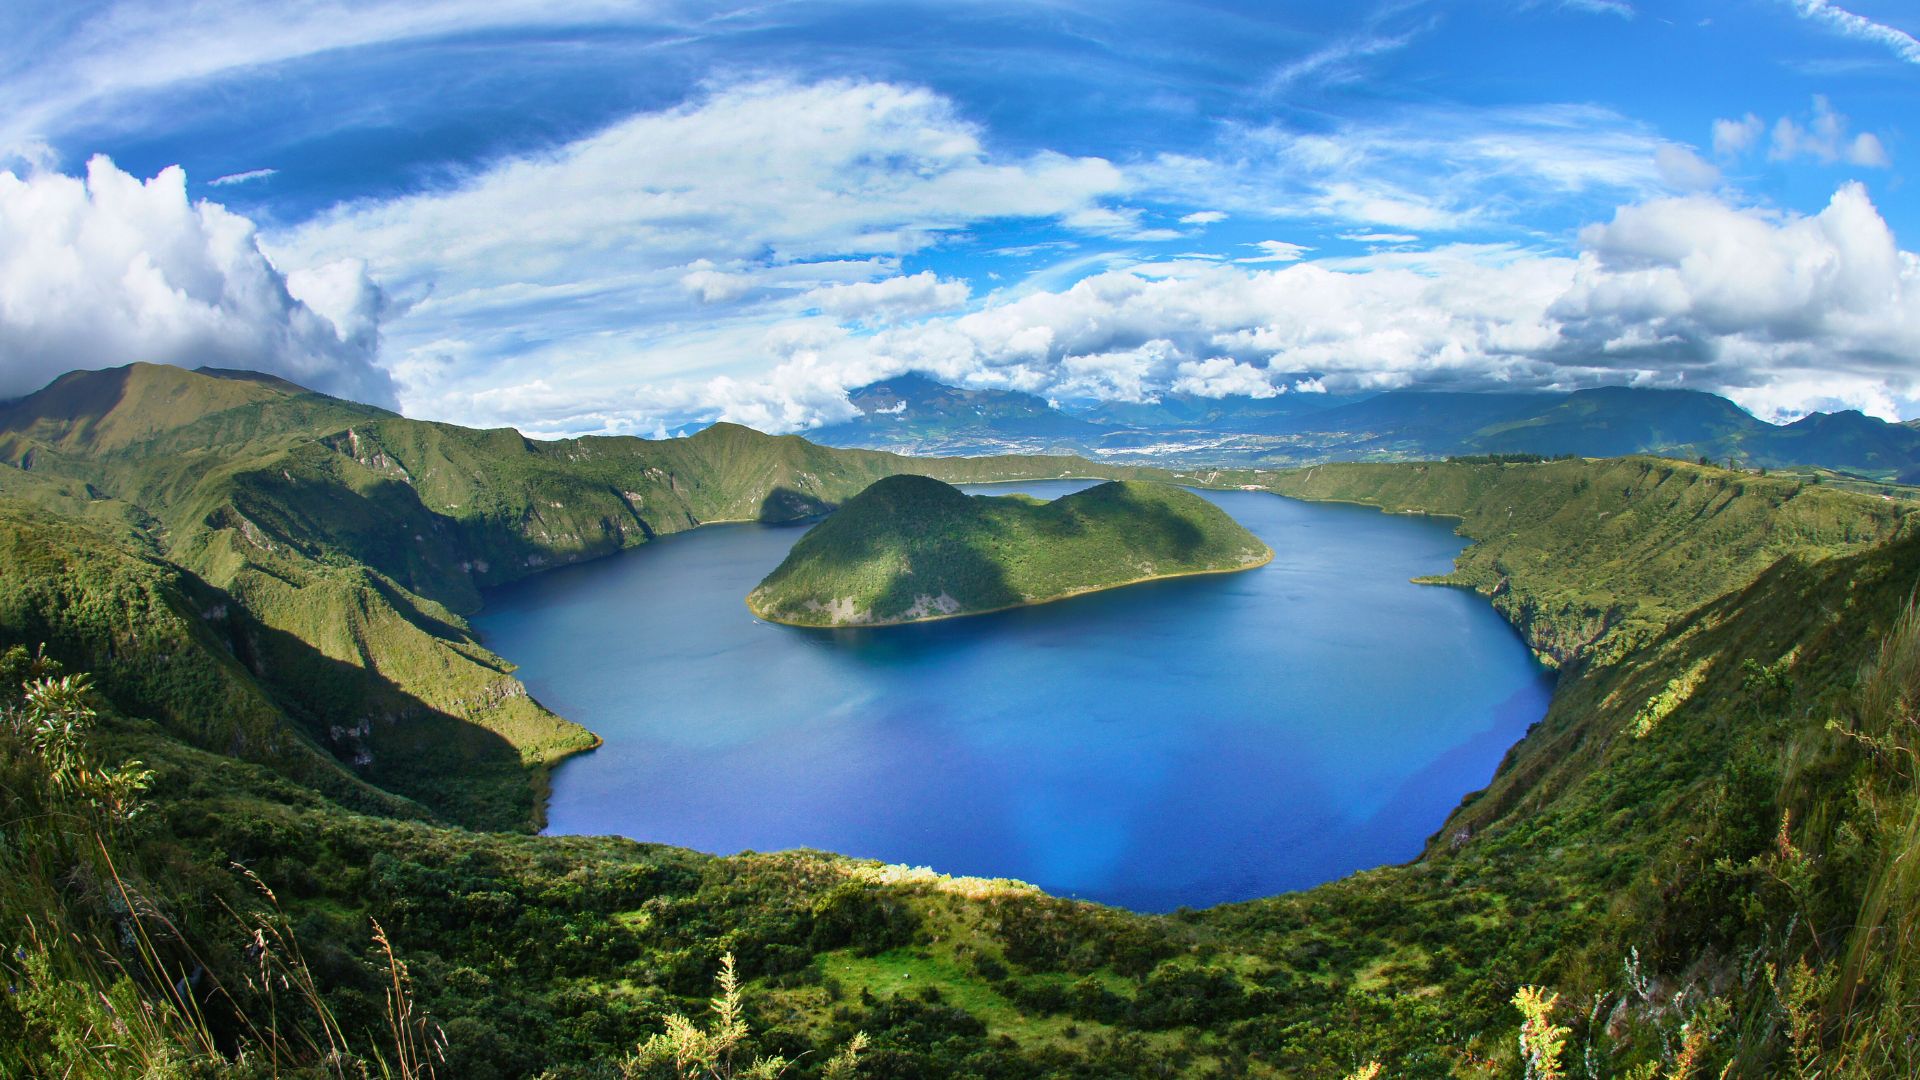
(628, 216)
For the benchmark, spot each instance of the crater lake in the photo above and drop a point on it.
(1177, 743)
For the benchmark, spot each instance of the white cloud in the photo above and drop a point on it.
(1340, 61)
(1823, 137)
(1867, 150)
(1731, 138)
(1861, 28)
(1601, 7)
(894, 298)
(576, 266)
(242, 177)
(1220, 376)
(106, 270)
(1276, 251)
(1745, 299)
(1203, 217)
(103, 63)
(713, 286)
(1419, 169)
(1684, 169)
(1380, 238)
(1782, 312)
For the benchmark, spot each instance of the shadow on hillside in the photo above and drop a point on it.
(386, 527)
(1159, 528)
(784, 504)
(460, 770)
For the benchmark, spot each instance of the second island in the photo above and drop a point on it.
(911, 549)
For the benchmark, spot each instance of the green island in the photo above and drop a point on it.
(285, 828)
(913, 549)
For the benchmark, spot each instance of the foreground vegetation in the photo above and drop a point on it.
(910, 548)
(1697, 864)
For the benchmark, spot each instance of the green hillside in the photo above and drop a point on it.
(1702, 854)
(343, 546)
(911, 548)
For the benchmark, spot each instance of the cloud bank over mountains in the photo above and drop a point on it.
(1782, 312)
(108, 269)
(755, 239)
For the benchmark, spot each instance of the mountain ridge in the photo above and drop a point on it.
(1297, 428)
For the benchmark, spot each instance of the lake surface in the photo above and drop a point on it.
(1184, 742)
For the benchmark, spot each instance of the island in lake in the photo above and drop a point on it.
(910, 549)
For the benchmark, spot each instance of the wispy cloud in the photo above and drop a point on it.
(242, 177)
(1903, 44)
(596, 266)
(1276, 251)
(1420, 169)
(1338, 62)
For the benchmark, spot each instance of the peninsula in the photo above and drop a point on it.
(911, 549)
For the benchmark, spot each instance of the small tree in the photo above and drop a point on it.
(685, 1052)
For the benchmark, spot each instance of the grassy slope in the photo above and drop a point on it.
(350, 544)
(1580, 553)
(910, 548)
(1643, 813)
(1593, 842)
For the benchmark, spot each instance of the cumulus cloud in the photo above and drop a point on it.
(1682, 168)
(1203, 217)
(1744, 299)
(1782, 312)
(1220, 376)
(1824, 138)
(894, 298)
(1731, 138)
(107, 269)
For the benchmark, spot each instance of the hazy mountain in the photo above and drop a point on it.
(912, 413)
(1614, 420)
(917, 414)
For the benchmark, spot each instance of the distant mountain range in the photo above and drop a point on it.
(916, 414)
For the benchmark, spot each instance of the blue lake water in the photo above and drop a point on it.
(1185, 742)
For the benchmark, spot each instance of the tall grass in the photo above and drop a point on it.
(99, 981)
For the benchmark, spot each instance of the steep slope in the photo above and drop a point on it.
(1584, 555)
(910, 548)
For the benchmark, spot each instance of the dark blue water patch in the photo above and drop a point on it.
(1183, 742)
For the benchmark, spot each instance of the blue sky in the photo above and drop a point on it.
(628, 216)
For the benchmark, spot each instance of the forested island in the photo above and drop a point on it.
(913, 549)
